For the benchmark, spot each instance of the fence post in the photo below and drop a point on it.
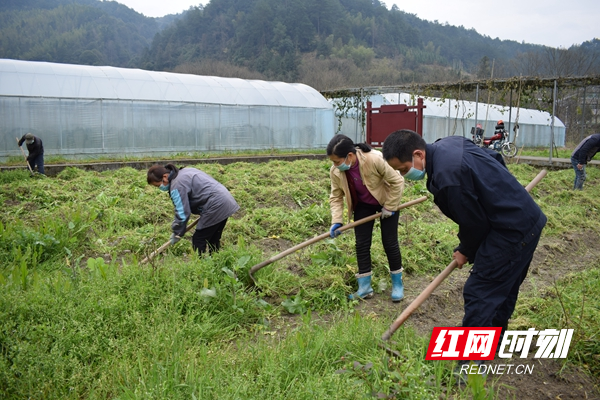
(554, 95)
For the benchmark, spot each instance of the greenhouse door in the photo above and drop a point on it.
(389, 118)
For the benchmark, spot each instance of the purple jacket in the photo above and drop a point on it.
(195, 192)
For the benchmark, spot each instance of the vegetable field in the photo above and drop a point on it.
(81, 317)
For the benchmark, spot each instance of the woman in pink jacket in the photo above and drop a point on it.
(362, 177)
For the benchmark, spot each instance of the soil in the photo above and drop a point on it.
(554, 258)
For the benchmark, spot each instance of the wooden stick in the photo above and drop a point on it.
(419, 300)
(167, 244)
(439, 279)
(536, 180)
(325, 236)
(26, 162)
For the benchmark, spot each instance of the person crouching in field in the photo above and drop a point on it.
(195, 192)
(361, 176)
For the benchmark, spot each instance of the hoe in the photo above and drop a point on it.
(167, 244)
(27, 162)
(325, 236)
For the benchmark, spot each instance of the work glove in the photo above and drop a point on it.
(333, 232)
(174, 238)
(385, 213)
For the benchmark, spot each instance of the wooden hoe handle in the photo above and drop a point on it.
(167, 244)
(27, 162)
(325, 236)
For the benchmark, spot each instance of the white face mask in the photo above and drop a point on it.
(343, 166)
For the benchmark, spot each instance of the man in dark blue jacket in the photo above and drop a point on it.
(499, 223)
(583, 153)
(36, 151)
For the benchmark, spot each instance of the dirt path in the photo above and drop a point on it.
(553, 259)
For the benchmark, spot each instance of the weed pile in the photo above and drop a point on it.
(80, 317)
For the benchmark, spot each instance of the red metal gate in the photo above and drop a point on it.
(389, 118)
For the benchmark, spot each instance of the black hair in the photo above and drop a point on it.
(341, 145)
(401, 145)
(156, 173)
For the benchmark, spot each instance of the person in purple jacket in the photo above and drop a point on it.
(583, 153)
(360, 176)
(195, 192)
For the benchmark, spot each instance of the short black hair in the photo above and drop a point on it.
(401, 145)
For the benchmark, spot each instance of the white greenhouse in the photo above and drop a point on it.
(89, 111)
(445, 117)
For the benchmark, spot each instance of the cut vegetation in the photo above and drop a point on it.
(80, 317)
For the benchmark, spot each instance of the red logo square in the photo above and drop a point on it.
(474, 343)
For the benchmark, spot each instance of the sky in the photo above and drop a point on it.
(555, 23)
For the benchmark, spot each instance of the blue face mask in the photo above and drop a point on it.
(414, 174)
(343, 166)
(164, 188)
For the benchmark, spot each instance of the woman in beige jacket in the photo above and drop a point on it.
(369, 185)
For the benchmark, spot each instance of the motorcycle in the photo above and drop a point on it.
(499, 142)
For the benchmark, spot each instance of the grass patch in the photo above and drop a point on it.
(81, 318)
(571, 303)
(199, 155)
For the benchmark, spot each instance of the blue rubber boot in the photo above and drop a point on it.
(365, 291)
(397, 285)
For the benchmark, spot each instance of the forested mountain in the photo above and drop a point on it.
(74, 31)
(270, 35)
(324, 43)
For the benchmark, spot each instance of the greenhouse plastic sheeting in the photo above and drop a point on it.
(83, 110)
(447, 117)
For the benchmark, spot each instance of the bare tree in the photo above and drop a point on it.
(572, 62)
(583, 62)
(528, 64)
(218, 68)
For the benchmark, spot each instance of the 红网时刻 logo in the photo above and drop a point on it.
(475, 343)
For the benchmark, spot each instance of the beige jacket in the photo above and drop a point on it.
(384, 183)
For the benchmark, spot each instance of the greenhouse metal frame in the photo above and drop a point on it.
(92, 111)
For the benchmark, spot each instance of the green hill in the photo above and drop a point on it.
(324, 43)
(79, 32)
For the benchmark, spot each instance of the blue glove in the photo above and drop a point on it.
(174, 238)
(385, 213)
(333, 232)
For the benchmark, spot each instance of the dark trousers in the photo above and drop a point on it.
(211, 236)
(364, 236)
(491, 301)
(39, 161)
(579, 175)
